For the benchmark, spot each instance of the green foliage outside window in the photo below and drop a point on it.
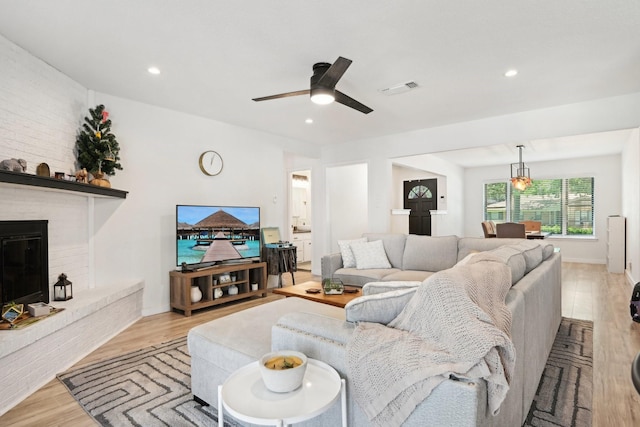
(563, 206)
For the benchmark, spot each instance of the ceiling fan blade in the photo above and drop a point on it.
(283, 95)
(350, 102)
(334, 73)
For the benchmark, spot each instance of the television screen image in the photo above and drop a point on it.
(207, 235)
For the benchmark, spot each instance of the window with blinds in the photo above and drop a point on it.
(563, 206)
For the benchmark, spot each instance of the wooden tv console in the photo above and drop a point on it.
(180, 285)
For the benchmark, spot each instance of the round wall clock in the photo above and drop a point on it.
(210, 163)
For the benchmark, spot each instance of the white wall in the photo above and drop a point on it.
(348, 209)
(607, 200)
(40, 109)
(159, 151)
(631, 203)
(621, 112)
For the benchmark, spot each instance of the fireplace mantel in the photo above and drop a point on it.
(59, 184)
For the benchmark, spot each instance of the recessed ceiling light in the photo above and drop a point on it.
(511, 73)
(153, 70)
(308, 121)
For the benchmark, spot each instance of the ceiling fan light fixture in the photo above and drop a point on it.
(322, 96)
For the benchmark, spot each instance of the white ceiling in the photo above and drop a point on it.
(215, 56)
(590, 145)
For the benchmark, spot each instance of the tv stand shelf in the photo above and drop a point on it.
(208, 280)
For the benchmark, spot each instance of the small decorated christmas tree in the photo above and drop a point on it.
(97, 146)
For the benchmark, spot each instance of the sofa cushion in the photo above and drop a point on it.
(532, 253)
(372, 288)
(378, 308)
(370, 255)
(393, 245)
(429, 253)
(467, 259)
(407, 275)
(353, 276)
(513, 258)
(348, 260)
(547, 249)
(467, 245)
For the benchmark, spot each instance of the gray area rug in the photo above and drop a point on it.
(151, 387)
(565, 392)
(148, 387)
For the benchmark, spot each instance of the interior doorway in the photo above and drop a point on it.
(301, 230)
(421, 196)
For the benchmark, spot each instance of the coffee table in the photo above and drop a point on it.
(245, 397)
(300, 291)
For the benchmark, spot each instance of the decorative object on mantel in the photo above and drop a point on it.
(100, 180)
(62, 290)
(82, 175)
(59, 175)
(11, 312)
(43, 170)
(97, 147)
(520, 178)
(15, 165)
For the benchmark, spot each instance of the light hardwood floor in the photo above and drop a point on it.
(589, 293)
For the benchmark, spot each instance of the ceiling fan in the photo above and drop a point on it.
(323, 86)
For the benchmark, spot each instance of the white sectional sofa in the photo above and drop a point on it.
(322, 332)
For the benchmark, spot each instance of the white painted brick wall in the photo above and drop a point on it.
(68, 228)
(41, 110)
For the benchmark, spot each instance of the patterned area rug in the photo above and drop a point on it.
(151, 387)
(565, 391)
(148, 387)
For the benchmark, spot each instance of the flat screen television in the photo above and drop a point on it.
(209, 235)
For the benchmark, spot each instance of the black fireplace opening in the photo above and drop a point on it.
(24, 262)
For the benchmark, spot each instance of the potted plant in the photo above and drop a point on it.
(97, 147)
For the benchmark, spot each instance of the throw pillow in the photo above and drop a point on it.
(348, 260)
(378, 308)
(370, 255)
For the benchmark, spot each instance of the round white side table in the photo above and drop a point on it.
(245, 397)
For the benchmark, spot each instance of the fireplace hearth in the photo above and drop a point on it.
(24, 265)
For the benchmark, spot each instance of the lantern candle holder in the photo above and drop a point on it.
(63, 289)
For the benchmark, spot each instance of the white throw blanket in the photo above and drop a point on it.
(457, 323)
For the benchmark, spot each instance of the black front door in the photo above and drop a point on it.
(421, 196)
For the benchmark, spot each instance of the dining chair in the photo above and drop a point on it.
(489, 229)
(532, 226)
(510, 229)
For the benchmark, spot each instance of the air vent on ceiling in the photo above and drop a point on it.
(401, 88)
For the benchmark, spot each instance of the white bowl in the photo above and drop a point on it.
(283, 380)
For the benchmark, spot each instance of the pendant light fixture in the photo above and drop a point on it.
(520, 178)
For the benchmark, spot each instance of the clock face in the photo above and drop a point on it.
(210, 163)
